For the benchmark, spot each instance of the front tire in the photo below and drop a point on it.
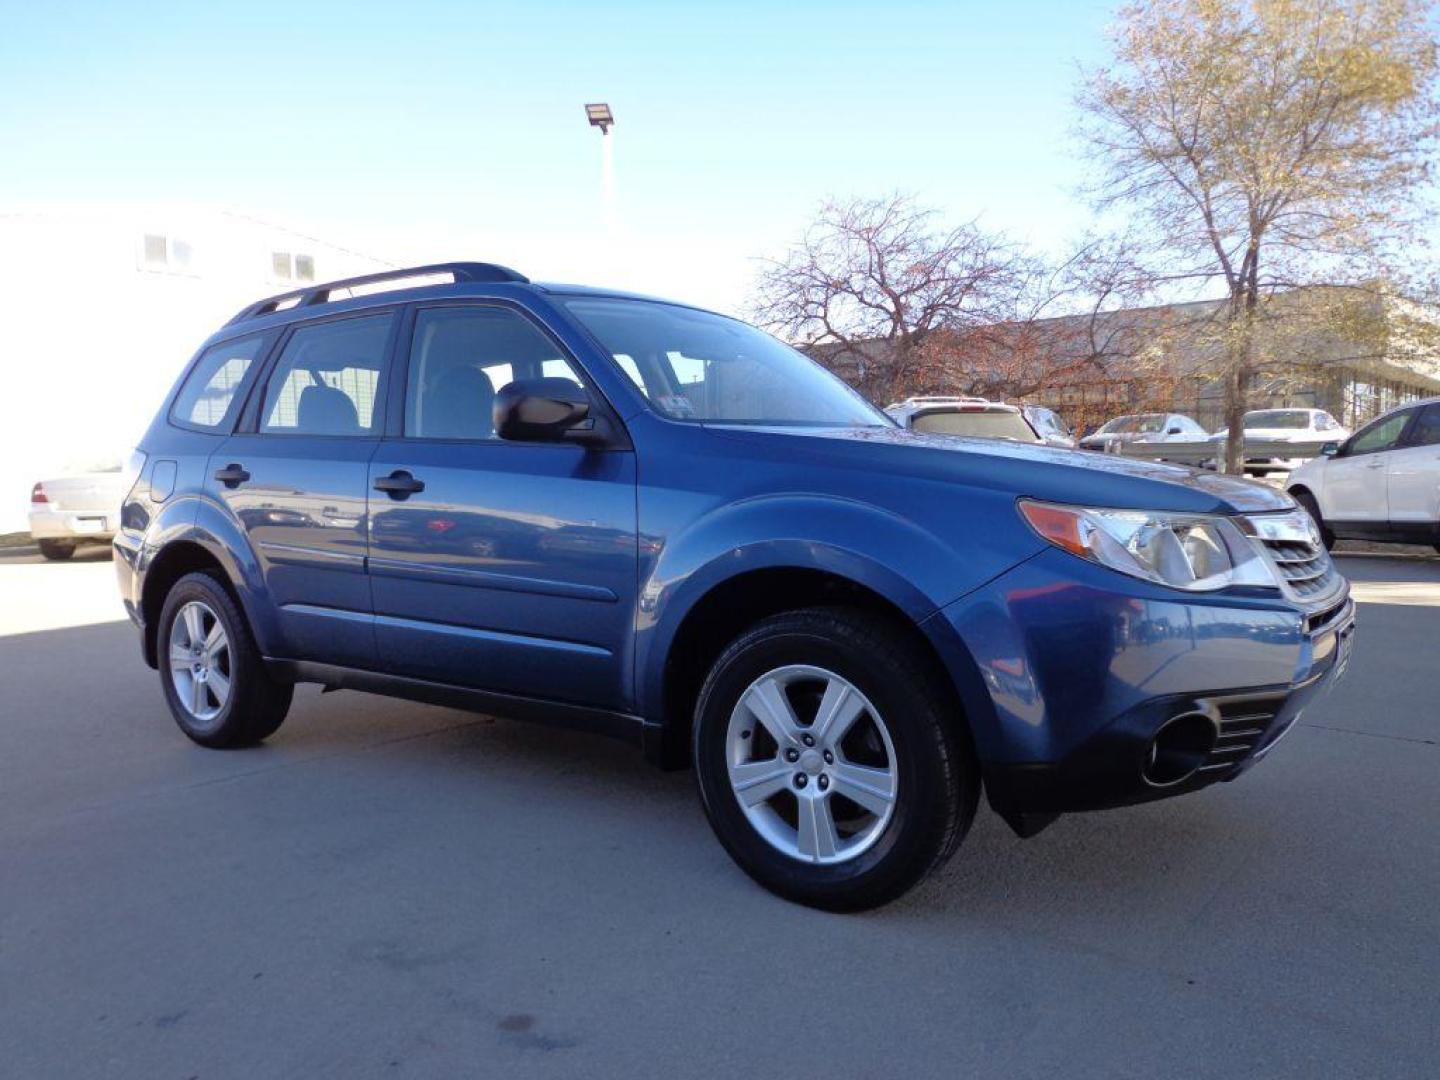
(212, 674)
(1311, 507)
(56, 550)
(830, 760)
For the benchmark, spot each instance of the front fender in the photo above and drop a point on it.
(847, 538)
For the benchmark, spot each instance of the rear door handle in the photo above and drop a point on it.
(232, 475)
(399, 484)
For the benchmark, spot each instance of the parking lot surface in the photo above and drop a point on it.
(388, 889)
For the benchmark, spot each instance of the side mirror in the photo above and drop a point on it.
(543, 410)
(1330, 449)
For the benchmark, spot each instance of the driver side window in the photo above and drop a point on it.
(1382, 435)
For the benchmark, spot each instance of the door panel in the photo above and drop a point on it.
(514, 568)
(298, 486)
(1413, 473)
(1355, 488)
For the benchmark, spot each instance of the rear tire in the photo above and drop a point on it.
(1307, 502)
(56, 550)
(213, 676)
(769, 779)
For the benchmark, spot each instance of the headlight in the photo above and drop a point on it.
(1196, 552)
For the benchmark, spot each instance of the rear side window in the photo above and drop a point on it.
(208, 395)
(327, 377)
(1426, 431)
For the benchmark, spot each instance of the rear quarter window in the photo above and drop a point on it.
(208, 398)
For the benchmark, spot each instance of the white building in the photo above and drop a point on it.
(100, 308)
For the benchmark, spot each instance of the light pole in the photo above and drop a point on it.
(600, 116)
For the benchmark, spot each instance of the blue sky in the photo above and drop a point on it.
(428, 130)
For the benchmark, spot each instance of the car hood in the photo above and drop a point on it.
(1029, 470)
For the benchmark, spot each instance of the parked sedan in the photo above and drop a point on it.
(1286, 425)
(1383, 483)
(972, 416)
(1145, 427)
(73, 510)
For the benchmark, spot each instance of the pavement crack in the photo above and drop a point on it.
(1371, 734)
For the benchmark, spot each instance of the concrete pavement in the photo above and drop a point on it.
(388, 889)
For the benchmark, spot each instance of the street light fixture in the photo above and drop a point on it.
(600, 116)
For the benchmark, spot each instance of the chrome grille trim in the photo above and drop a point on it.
(1292, 544)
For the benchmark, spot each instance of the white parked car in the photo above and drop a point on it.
(1286, 425)
(74, 510)
(973, 416)
(1383, 483)
(1145, 427)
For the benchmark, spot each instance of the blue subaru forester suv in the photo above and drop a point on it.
(643, 519)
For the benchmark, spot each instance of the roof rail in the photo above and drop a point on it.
(320, 294)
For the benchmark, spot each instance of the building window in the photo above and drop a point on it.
(164, 254)
(287, 267)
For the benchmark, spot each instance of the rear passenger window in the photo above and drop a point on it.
(460, 357)
(209, 392)
(326, 379)
(1426, 431)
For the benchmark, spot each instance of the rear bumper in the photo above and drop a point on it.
(77, 525)
(1081, 671)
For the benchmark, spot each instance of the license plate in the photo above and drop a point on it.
(90, 525)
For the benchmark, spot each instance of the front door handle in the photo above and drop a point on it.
(399, 484)
(232, 475)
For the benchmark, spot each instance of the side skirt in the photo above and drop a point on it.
(622, 726)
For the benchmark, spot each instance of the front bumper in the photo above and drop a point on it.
(1081, 669)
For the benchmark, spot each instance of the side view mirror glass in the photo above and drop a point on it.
(1330, 449)
(542, 410)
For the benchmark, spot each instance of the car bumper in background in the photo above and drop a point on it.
(1083, 671)
(72, 524)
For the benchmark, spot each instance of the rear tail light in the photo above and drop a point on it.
(37, 494)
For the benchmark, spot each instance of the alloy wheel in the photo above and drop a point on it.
(811, 764)
(200, 667)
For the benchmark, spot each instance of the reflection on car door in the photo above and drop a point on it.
(514, 566)
(1413, 477)
(296, 481)
(1355, 485)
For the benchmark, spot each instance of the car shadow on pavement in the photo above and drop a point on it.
(61, 750)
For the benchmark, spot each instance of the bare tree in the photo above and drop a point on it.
(876, 289)
(1268, 145)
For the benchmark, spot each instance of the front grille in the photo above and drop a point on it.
(1243, 722)
(1293, 545)
(1306, 567)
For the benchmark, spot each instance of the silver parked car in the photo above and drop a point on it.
(1145, 427)
(1049, 425)
(73, 510)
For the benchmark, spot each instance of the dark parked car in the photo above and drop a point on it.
(644, 519)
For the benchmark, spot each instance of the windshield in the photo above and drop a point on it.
(1278, 418)
(696, 366)
(985, 425)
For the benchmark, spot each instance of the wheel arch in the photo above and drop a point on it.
(212, 543)
(731, 603)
